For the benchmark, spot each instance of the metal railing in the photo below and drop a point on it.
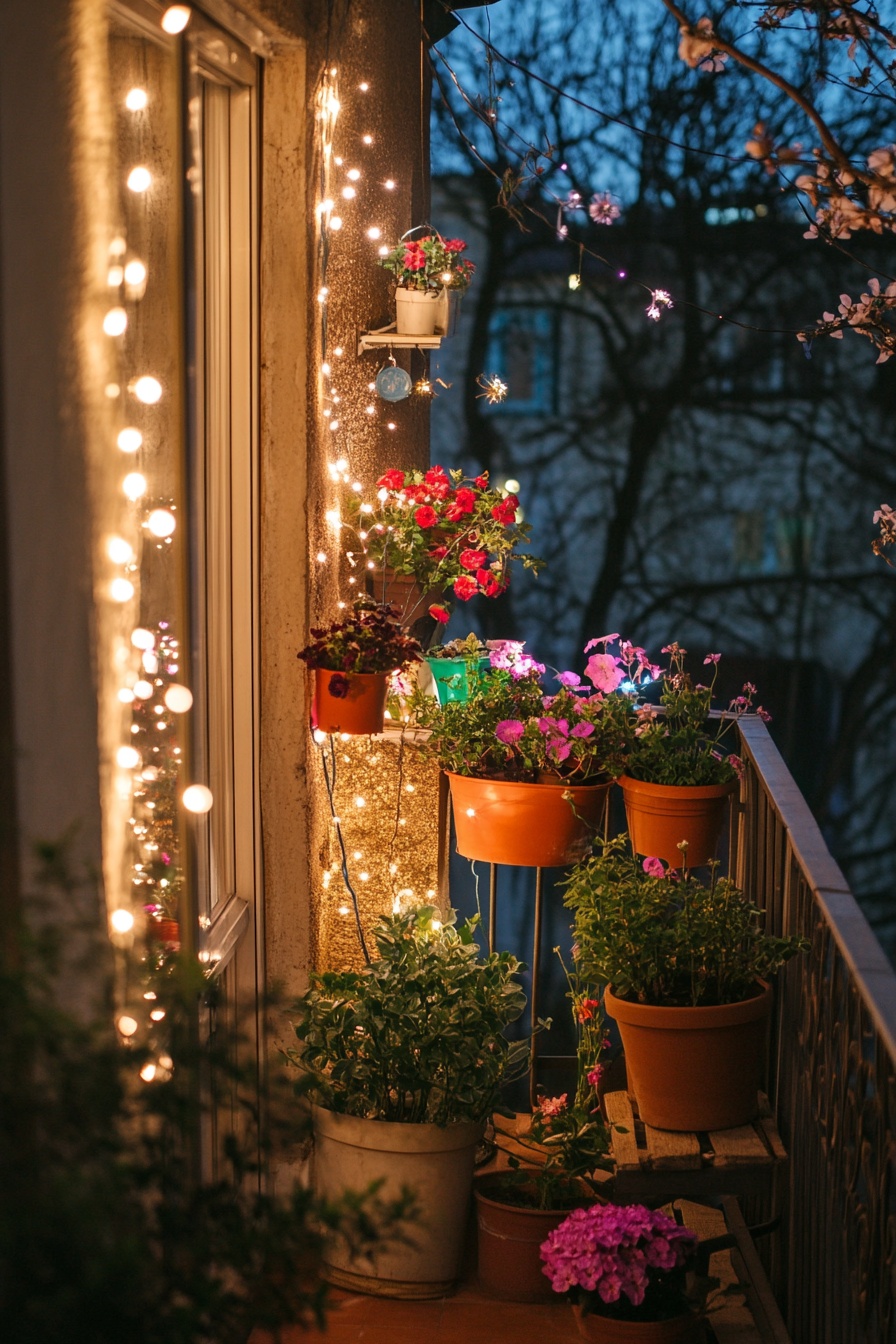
(833, 1067)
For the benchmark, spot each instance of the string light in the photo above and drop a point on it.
(139, 179)
(146, 389)
(121, 921)
(494, 389)
(197, 798)
(135, 274)
(161, 522)
(127, 1025)
(136, 100)
(134, 485)
(121, 590)
(119, 551)
(115, 323)
(176, 18)
(129, 440)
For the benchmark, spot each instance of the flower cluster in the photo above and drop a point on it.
(512, 728)
(698, 48)
(681, 743)
(370, 640)
(872, 316)
(610, 1252)
(430, 262)
(448, 531)
(885, 519)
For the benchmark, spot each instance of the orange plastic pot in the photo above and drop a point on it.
(604, 1330)
(694, 1068)
(526, 825)
(660, 816)
(510, 1238)
(164, 931)
(359, 711)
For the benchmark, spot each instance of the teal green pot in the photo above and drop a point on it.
(450, 676)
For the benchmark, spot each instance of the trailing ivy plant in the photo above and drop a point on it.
(419, 1035)
(658, 936)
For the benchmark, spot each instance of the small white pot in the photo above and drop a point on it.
(417, 311)
(435, 1164)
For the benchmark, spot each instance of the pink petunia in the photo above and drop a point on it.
(509, 731)
(653, 866)
(604, 671)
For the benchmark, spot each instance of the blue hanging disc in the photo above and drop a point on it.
(393, 384)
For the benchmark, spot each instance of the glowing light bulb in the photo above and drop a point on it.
(360, 802)
(128, 758)
(367, 139)
(365, 877)
(148, 1072)
(143, 689)
(129, 440)
(176, 18)
(126, 696)
(389, 184)
(335, 223)
(161, 522)
(348, 194)
(112, 390)
(122, 921)
(178, 698)
(471, 812)
(119, 551)
(157, 1014)
(342, 909)
(136, 99)
(142, 638)
(197, 798)
(436, 924)
(364, 86)
(121, 590)
(135, 273)
(338, 352)
(128, 1025)
(146, 389)
(319, 736)
(321, 557)
(383, 251)
(139, 179)
(134, 485)
(374, 233)
(114, 276)
(115, 323)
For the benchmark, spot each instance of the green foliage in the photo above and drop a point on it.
(505, 730)
(668, 940)
(370, 640)
(107, 1233)
(419, 1034)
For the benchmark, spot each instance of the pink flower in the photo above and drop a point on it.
(509, 731)
(571, 679)
(604, 639)
(604, 671)
(391, 480)
(454, 245)
(653, 866)
(594, 1076)
(582, 730)
(711, 658)
(552, 1105)
(414, 261)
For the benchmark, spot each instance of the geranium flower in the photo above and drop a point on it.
(465, 587)
(393, 479)
(593, 1076)
(439, 552)
(585, 1010)
(509, 731)
(473, 559)
(439, 614)
(505, 512)
(711, 658)
(455, 245)
(426, 516)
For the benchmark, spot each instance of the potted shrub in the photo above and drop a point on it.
(678, 777)
(433, 536)
(625, 1270)
(457, 667)
(550, 1170)
(686, 965)
(427, 271)
(352, 660)
(530, 770)
(404, 1061)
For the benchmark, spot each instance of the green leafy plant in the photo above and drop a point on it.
(370, 640)
(471, 648)
(657, 937)
(511, 728)
(419, 1034)
(683, 743)
(445, 530)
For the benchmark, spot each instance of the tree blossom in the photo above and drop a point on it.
(603, 209)
(697, 47)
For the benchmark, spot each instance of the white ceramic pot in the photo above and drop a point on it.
(435, 1164)
(417, 311)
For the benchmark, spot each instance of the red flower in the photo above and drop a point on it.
(473, 559)
(586, 1008)
(505, 512)
(465, 499)
(489, 583)
(455, 245)
(414, 257)
(436, 476)
(454, 512)
(393, 479)
(425, 516)
(417, 493)
(482, 481)
(438, 552)
(439, 614)
(465, 587)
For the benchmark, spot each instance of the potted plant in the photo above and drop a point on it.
(457, 666)
(625, 1270)
(551, 1169)
(529, 769)
(426, 270)
(678, 777)
(686, 965)
(435, 535)
(404, 1060)
(352, 660)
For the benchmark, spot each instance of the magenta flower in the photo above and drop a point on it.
(653, 866)
(552, 1105)
(611, 1250)
(711, 658)
(582, 730)
(593, 1076)
(509, 731)
(604, 639)
(604, 671)
(570, 679)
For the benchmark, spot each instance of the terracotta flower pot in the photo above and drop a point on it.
(359, 711)
(510, 1237)
(417, 311)
(164, 931)
(604, 1330)
(403, 592)
(694, 1068)
(528, 825)
(660, 816)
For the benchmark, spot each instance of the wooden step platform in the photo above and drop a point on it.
(655, 1165)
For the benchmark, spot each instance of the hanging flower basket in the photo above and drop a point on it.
(418, 311)
(350, 702)
(527, 825)
(661, 816)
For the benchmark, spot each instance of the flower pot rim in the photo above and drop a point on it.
(395, 1132)
(342, 672)
(520, 784)
(669, 790)
(690, 1015)
(486, 1185)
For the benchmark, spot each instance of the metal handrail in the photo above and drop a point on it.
(833, 1066)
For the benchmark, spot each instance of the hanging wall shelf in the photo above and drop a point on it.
(385, 336)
